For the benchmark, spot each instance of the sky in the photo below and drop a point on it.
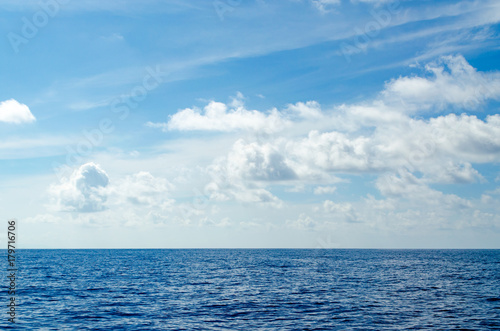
(250, 124)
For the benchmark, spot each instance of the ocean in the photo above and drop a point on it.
(255, 289)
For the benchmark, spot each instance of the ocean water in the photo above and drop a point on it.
(233, 289)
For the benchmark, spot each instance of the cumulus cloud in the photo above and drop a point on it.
(249, 167)
(378, 138)
(385, 137)
(332, 151)
(11, 111)
(257, 162)
(83, 191)
(143, 189)
(443, 148)
(452, 172)
(309, 109)
(242, 192)
(343, 211)
(233, 116)
(467, 137)
(242, 174)
(453, 82)
(217, 116)
(88, 189)
(406, 185)
(384, 204)
(304, 222)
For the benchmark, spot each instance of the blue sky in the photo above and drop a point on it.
(314, 123)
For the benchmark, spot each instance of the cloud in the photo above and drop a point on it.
(370, 138)
(310, 109)
(233, 116)
(379, 137)
(384, 204)
(93, 199)
(217, 116)
(223, 223)
(84, 191)
(142, 189)
(441, 148)
(452, 172)
(467, 137)
(254, 161)
(304, 222)
(331, 151)
(245, 171)
(241, 192)
(88, 189)
(404, 153)
(325, 6)
(14, 112)
(452, 82)
(407, 186)
(343, 211)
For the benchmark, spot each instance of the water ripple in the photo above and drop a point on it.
(259, 289)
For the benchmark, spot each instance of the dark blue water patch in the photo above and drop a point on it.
(232, 289)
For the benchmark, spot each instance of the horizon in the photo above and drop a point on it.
(263, 248)
(309, 124)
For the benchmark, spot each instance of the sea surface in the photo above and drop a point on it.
(261, 289)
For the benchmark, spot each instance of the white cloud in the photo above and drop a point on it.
(385, 204)
(242, 193)
(443, 147)
(83, 191)
(310, 109)
(217, 116)
(88, 189)
(451, 172)
(245, 171)
(453, 81)
(142, 189)
(405, 185)
(304, 222)
(255, 161)
(331, 151)
(343, 211)
(14, 112)
(467, 137)
(369, 138)
(405, 154)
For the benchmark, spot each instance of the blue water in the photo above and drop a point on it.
(257, 290)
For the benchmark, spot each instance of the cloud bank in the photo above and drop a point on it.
(401, 144)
